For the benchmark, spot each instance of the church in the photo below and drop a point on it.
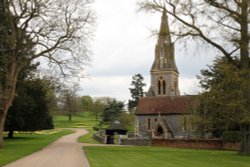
(164, 113)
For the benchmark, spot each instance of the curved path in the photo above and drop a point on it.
(64, 152)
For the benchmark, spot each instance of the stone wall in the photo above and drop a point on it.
(196, 144)
(136, 142)
(231, 146)
(175, 121)
(99, 137)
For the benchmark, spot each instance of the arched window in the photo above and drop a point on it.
(185, 123)
(164, 86)
(161, 86)
(149, 124)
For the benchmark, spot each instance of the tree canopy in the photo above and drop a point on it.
(29, 111)
(87, 103)
(112, 112)
(222, 104)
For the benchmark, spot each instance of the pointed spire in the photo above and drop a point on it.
(164, 29)
(164, 72)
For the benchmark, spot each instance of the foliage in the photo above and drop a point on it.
(112, 111)
(99, 104)
(222, 104)
(232, 136)
(98, 108)
(29, 111)
(127, 120)
(161, 157)
(25, 144)
(87, 103)
(136, 90)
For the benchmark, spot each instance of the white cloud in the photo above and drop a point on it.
(123, 47)
(189, 86)
(112, 86)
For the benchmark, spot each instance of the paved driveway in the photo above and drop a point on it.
(65, 152)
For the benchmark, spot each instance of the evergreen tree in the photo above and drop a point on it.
(222, 104)
(29, 111)
(112, 111)
(136, 91)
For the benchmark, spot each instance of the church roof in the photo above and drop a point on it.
(165, 105)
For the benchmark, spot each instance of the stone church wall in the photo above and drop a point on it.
(175, 123)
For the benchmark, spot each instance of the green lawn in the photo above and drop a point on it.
(24, 144)
(162, 157)
(80, 120)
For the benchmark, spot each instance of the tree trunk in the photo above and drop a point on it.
(245, 140)
(2, 120)
(3, 113)
(10, 134)
(7, 94)
(70, 116)
(245, 67)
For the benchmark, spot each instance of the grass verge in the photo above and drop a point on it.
(162, 157)
(88, 138)
(24, 144)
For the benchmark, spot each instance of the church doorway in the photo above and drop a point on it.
(159, 131)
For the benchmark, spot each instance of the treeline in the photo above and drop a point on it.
(39, 97)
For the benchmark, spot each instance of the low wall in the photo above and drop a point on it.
(98, 137)
(231, 146)
(196, 143)
(136, 142)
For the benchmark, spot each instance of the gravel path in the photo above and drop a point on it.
(65, 152)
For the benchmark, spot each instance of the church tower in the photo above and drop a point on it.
(164, 73)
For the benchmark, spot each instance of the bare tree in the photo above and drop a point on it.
(70, 99)
(221, 24)
(57, 30)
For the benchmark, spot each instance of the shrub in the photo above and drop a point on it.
(232, 136)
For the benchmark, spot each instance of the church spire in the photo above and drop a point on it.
(164, 29)
(164, 50)
(164, 72)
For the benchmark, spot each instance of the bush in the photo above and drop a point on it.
(232, 136)
(95, 128)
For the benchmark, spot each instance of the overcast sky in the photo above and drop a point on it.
(124, 46)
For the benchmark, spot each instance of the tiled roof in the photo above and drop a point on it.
(165, 105)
